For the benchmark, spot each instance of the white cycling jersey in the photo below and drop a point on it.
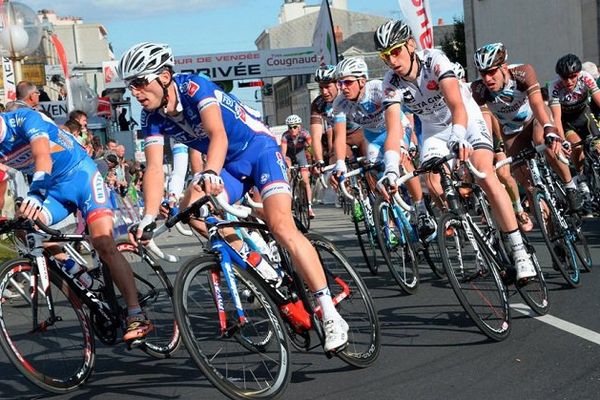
(424, 98)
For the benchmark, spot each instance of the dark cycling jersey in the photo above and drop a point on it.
(511, 104)
(296, 145)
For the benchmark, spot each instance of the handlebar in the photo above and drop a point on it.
(526, 153)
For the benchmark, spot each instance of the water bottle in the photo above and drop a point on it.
(74, 269)
(262, 266)
(258, 240)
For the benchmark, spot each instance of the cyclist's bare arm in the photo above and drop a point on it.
(556, 116)
(316, 132)
(154, 178)
(196, 161)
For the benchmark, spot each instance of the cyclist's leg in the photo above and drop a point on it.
(482, 158)
(276, 195)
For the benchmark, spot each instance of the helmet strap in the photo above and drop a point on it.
(165, 97)
(412, 63)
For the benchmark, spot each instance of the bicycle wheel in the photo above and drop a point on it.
(302, 204)
(395, 244)
(534, 290)
(247, 360)
(367, 242)
(474, 278)
(581, 245)
(57, 355)
(357, 308)
(564, 256)
(433, 257)
(155, 293)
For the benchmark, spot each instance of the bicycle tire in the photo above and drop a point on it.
(433, 258)
(58, 358)
(358, 309)
(366, 242)
(581, 245)
(560, 247)
(218, 356)
(534, 290)
(155, 294)
(474, 278)
(401, 258)
(302, 204)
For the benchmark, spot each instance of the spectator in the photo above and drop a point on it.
(43, 95)
(28, 93)
(591, 68)
(107, 163)
(122, 170)
(123, 122)
(97, 148)
(111, 145)
(81, 117)
(62, 93)
(2, 109)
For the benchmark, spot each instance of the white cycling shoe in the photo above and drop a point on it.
(524, 265)
(336, 334)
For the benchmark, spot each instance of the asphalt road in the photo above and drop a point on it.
(430, 348)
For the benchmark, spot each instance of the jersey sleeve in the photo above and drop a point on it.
(391, 94)
(315, 111)
(34, 126)
(339, 115)
(202, 92)
(553, 93)
(441, 65)
(526, 78)
(152, 124)
(478, 90)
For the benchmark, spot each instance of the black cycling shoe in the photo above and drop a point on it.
(574, 198)
(425, 226)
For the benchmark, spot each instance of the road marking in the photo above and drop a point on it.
(561, 324)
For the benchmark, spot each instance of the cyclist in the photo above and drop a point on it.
(361, 102)
(321, 115)
(65, 178)
(240, 152)
(569, 102)
(294, 145)
(424, 81)
(512, 95)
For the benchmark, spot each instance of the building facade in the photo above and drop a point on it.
(536, 32)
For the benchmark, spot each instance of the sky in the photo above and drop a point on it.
(205, 26)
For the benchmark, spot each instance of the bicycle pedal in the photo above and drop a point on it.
(330, 354)
(132, 344)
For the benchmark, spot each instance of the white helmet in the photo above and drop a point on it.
(490, 56)
(293, 120)
(352, 66)
(144, 59)
(391, 33)
(459, 71)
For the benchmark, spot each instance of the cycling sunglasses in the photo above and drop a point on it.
(392, 51)
(140, 82)
(346, 82)
(293, 126)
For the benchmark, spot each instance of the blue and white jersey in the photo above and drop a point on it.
(195, 93)
(367, 112)
(21, 127)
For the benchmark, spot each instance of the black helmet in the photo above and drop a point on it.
(391, 33)
(567, 65)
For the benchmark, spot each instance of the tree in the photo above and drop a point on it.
(454, 45)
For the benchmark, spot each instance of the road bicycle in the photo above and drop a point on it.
(299, 195)
(561, 228)
(238, 326)
(49, 321)
(474, 256)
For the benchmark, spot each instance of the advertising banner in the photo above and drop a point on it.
(418, 16)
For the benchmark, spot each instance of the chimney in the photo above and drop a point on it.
(339, 35)
(440, 21)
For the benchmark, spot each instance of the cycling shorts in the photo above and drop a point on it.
(82, 189)
(477, 135)
(582, 123)
(262, 165)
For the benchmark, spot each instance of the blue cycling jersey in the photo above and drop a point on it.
(22, 126)
(195, 93)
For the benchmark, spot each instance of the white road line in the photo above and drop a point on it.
(558, 323)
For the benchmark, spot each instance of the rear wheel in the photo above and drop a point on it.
(474, 278)
(353, 302)
(57, 355)
(248, 359)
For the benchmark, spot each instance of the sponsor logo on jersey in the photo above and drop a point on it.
(20, 158)
(264, 178)
(192, 88)
(437, 70)
(390, 93)
(432, 84)
(98, 189)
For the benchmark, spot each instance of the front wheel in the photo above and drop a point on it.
(474, 278)
(242, 358)
(57, 354)
(395, 242)
(560, 246)
(353, 302)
